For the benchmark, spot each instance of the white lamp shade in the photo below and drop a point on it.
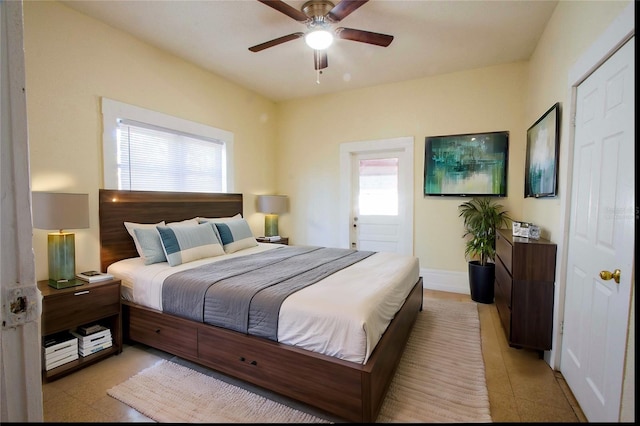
(273, 204)
(55, 210)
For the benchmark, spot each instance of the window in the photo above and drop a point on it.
(378, 191)
(149, 151)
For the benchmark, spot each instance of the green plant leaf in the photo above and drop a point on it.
(481, 217)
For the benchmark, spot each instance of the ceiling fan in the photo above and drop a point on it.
(318, 16)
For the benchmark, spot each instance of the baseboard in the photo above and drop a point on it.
(441, 280)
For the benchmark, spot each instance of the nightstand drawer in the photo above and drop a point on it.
(80, 305)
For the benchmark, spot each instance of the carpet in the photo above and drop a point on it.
(440, 379)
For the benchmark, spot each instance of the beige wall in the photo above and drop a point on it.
(72, 61)
(488, 99)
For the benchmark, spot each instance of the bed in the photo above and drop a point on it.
(341, 381)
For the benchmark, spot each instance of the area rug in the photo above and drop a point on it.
(440, 379)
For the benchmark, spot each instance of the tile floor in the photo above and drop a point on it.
(522, 387)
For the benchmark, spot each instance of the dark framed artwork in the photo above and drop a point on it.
(543, 148)
(473, 164)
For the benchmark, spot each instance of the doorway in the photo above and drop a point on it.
(376, 209)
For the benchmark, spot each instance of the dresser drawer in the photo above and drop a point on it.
(81, 305)
(504, 250)
(504, 281)
(171, 334)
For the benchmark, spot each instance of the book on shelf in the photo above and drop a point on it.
(57, 363)
(58, 349)
(96, 348)
(93, 276)
(86, 333)
(59, 341)
(61, 354)
(94, 340)
(270, 239)
(86, 330)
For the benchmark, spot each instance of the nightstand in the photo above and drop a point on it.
(69, 308)
(282, 240)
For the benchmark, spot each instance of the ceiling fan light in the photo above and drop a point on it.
(319, 39)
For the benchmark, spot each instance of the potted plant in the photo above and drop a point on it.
(482, 217)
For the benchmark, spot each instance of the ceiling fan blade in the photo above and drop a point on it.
(275, 42)
(364, 36)
(282, 7)
(344, 9)
(320, 59)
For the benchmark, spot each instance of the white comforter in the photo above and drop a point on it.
(343, 316)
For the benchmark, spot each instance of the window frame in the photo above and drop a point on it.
(112, 111)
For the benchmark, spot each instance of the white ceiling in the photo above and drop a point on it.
(431, 37)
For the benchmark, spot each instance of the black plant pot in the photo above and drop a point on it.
(481, 281)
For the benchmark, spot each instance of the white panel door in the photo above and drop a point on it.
(376, 200)
(601, 238)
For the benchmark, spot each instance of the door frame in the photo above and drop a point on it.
(617, 34)
(403, 146)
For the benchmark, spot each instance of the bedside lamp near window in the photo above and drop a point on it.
(54, 210)
(272, 205)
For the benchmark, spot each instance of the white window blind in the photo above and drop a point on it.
(146, 150)
(152, 158)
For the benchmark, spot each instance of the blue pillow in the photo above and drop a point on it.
(184, 244)
(151, 250)
(150, 244)
(235, 235)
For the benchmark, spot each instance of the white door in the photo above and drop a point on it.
(601, 238)
(379, 201)
(375, 221)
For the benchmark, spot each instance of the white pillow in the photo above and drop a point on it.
(193, 221)
(218, 219)
(184, 244)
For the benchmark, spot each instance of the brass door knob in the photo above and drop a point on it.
(607, 275)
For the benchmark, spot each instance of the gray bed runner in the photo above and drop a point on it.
(245, 293)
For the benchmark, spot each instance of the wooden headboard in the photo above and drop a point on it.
(117, 207)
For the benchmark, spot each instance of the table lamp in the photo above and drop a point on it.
(54, 210)
(272, 205)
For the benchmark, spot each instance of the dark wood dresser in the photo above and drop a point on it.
(524, 290)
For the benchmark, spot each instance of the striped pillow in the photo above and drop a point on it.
(147, 240)
(184, 244)
(218, 220)
(235, 235)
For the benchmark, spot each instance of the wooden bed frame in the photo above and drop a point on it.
(348, 390)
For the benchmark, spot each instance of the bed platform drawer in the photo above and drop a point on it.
(260, 362)
(174, 335)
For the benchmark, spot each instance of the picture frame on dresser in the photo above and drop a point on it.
(542, 157)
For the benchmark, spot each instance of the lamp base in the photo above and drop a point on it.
(65, 283)
(61, 247)
(271, 225)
